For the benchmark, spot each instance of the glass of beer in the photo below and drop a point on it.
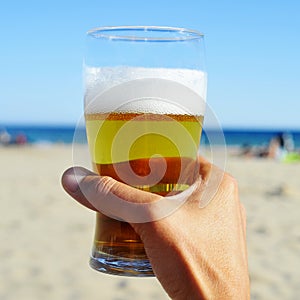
(145, 91)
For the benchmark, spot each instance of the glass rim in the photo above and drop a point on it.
(114, 33)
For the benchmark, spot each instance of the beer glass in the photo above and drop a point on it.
(145, 90)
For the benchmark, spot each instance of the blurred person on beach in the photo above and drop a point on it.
(196, 253)
(279, 147)
(5, 137)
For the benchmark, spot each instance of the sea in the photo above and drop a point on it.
(231, 137)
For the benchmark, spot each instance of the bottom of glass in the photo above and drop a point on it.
(122, 266)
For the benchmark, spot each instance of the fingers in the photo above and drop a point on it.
(101, 193)
(118, 200)
(70, 183)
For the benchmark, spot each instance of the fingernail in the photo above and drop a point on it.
(71, 180)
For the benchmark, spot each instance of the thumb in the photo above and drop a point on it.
(118, 200)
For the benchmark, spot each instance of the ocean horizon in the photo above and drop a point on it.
(53, 134)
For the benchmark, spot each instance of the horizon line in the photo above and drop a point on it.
(223, 127)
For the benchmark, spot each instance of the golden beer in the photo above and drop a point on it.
(150, 136)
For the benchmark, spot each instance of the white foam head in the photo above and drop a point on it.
(144, 90)
(149, 105)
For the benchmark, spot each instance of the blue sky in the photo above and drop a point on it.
(252, 53)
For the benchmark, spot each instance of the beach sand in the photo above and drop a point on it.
(46, 237)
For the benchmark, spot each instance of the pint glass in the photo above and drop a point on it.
(145, 90)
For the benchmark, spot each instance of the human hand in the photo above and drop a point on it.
(196, 253)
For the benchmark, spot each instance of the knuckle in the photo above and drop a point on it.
(229, 186)
(104, 184)
(230, 181)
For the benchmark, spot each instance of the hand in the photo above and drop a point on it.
(196, 253)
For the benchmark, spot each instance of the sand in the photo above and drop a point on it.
(46, 237)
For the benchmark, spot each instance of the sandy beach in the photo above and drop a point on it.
(46, 237)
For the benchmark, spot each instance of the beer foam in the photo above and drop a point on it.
(99, 81)
(151, 106)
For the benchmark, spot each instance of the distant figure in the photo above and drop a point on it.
(288, 142)
(21, 139)
(280, 146)
(7, 140)
(5, 137)
(246, 150)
